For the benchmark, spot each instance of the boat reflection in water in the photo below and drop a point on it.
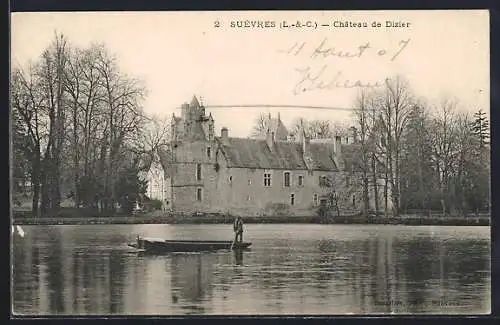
(238, 256)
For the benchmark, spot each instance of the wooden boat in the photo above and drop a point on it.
(153, 245)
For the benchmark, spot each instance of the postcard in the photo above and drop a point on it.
(250, 163)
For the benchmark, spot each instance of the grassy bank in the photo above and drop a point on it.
(24, 218)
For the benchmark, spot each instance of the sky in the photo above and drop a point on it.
(443, 54)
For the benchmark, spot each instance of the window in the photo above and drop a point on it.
(267, 179)
(315, 199)
(300, 181)
(286, 179)
(292, 199)
(323, 202)
(354, 201)
(323, 181)
(209, 153)
(347, 181)
(231, 180)
(249, 182)
(198, 172)
(199, 194)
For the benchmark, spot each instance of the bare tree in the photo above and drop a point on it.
(76, 103)
(26, 103)
(155, 133)
(298, 125)
(51, 82)
(394, 107)
(123, 115)
(363, 119)
(261, 125)
(444, 145)
(320, 129)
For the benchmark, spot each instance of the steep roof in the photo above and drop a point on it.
(195, 102)
(277, 126)
(254, 153)
(352, 157)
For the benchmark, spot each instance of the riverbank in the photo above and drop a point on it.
(23, 218)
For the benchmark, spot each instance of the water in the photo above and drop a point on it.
(291, 269)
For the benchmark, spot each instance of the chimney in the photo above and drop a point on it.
(299, 136)
(224, 135)
(184, 110)
(270, 139)
(306, 145)
(338, 145)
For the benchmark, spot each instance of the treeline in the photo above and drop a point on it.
(430, 158)
(315, 129)
(413, 155)
(79, 130)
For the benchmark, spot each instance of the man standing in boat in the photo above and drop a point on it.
(238, 230)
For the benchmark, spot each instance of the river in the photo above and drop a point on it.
(291, 269)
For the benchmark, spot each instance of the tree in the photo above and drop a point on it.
(320, 129)
(129, 188)
(317, 129)
(21, 169)
(76, 103)
(342, 189)
(261, 125)
(480, 127)
(28, 126)
(417, 185)
(362, 119)
(474, 156)
(394, 105)
(444, 149)
(298, 125)
(51, 82)
(155, 133)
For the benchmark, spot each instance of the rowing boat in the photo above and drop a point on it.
(159, 245)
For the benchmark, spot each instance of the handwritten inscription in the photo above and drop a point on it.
(323, 79)
(323, 50)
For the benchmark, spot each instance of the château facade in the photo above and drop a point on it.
(277, 174)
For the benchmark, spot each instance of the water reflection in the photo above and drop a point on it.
(191, 276)
(328, 270)
(238, 257)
